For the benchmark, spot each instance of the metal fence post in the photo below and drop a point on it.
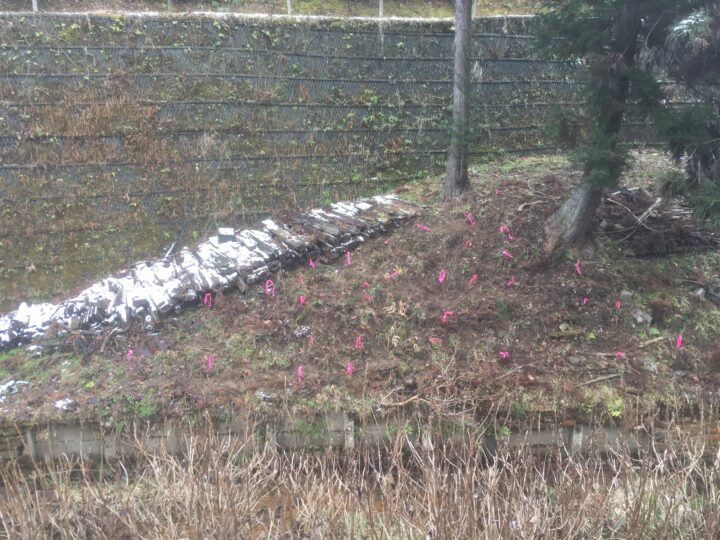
(474, 9)
(381, 8)
(34, 5)
(169, 4)
(289, 5)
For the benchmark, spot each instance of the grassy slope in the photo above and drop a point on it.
(406, 347)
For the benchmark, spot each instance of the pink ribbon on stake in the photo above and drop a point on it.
(348, 258)
(367, 297)
(435, 340)
(504, 355)
(619, 354)
(422, 227)
(301, 299)
(467, 243)
(577, 268)
(473, 279)
(497, 191)
(585, 301)
(679, 341)
(365, 284)
(349, 369)
(312, 263)
(210, 362)
(270, 287)
(130, 355)
(392, 275)
(441, 276)
(446, 314)
(506, 230)
(618, 304)
(506, 254)
(511, 282)
(470, 218)
(207, 300)
(300, 373)
(311, 340)
(358, 342)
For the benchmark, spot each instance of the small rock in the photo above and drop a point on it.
(65, 404)
(642, 317)
(700, 293)
(574, 360)
(650, 366)
(302, 331)
(226, 234)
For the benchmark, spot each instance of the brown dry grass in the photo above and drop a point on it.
(224, 488)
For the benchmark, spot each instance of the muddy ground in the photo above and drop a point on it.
(459, 306)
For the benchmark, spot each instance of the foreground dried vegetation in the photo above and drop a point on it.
(223, 488)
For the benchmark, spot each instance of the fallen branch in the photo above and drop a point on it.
(650, 342)
(401, 404)
(599, 379)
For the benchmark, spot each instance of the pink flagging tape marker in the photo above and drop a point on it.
(505, 229)
(497, 191)
(506, 254)
(619, 354)
(473, 279)
(349, 369)
(300, 373)
(467, 243)
(301, 299)
(422, 227)
(441, 276)
(618, 304)
(311, 340)
(386, 243)
(447, 314)
(312, 263)
(504, 355)
(679, 341)
(365, 284)
(207, 300)
(246, 360)
(392, 275)
(585, 301)
(348, 258)
(210, 362)
(367, 297)
(358, 342)
(577, 268)
(511, 282)
(470, 218)
(435, 340)
(130, 355)
(270, 287)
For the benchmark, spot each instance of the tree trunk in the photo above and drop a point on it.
(456, 179)
(570, 224)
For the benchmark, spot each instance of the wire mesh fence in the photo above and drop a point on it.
(121, 134)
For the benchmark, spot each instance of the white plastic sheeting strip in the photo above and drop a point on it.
(150, 289)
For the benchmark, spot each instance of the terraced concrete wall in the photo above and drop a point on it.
(122, 134)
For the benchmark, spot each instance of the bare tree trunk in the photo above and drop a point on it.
(570, 224)
(456, 179)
